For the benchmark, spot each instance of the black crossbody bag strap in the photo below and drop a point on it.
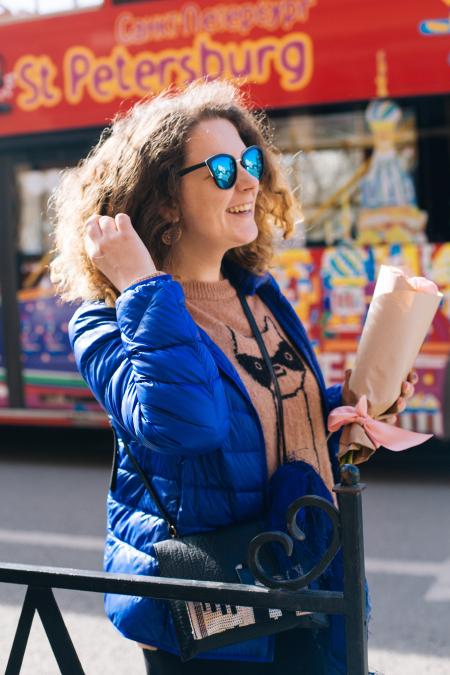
(280, 420)
(282, 450)
(147, 485)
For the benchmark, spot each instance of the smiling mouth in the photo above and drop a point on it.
(241, 209)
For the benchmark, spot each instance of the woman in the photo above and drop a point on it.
(171, 213)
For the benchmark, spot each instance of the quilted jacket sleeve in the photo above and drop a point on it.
(147, 365)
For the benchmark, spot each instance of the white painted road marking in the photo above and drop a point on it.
(36, 538)
(405, 567)
(439, 590)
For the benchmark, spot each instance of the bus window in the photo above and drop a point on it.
(34, 186)
(51, 381)
(26, 9)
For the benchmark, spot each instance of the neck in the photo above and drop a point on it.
(195, 265)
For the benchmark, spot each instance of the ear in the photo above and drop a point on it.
(170, 214)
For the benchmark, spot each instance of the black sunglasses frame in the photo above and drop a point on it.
(207, 161)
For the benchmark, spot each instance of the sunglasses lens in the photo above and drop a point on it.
(223, 169)
(253, 162)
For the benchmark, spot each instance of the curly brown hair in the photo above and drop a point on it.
(133, 169)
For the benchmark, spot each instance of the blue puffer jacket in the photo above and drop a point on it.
(179, 403)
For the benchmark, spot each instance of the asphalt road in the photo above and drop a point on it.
(52, 495)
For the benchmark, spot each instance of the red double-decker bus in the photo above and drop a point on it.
(359, 97)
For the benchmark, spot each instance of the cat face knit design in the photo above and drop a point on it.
(285, 361)
(217, 309)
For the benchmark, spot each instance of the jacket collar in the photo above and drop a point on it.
(247, 281)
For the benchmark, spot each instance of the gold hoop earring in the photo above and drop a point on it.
(172, 235)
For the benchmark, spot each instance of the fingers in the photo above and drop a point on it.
(407, 389)
(123, 223)
(390, 419)
(96, 229)
(92, 237)
(92, 228)
(107, 224)
(406, 392)
(412, 377)
(400, 405)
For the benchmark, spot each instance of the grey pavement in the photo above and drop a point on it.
(53, 513)
(407, 545)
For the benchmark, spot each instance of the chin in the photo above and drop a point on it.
(245, 236)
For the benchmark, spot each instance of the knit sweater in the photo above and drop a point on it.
(216, 308)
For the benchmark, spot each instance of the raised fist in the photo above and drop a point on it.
(116, 250)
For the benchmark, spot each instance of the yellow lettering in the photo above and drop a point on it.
(35, 77)
(122, 75)
(77, 69)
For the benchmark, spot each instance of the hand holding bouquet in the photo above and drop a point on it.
(397, 323)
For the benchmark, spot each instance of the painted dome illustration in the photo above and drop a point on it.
(389, 211)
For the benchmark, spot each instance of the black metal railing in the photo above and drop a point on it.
(347, 533)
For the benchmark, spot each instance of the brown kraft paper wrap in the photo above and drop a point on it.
(398, 320)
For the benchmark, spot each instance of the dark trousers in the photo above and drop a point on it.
(296, 653)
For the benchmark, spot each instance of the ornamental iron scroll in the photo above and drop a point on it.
(287, 543)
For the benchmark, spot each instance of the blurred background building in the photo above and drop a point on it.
(358, 94)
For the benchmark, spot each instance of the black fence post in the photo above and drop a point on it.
(21, 637)
(57, 633)
(352, 540)
(43, 601)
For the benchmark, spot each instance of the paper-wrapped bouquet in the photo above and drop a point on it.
(397, 323)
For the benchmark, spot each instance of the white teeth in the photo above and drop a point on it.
(243, 208)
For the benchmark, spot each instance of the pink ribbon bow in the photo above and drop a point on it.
(380, 433)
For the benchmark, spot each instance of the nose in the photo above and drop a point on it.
(244, 179)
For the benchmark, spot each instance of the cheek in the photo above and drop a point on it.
(203, 204)
(189, 201)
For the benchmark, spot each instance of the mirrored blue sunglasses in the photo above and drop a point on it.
(223, 167)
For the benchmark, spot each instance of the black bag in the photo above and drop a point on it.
(221, 556)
